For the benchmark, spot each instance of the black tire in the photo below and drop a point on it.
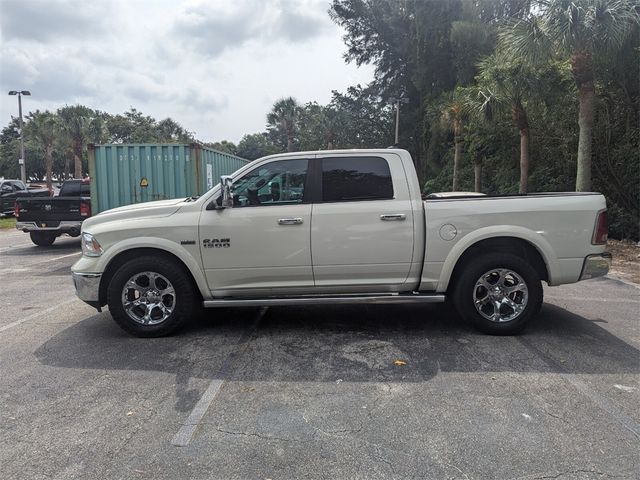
(43, 239)
(465, 292)
(186, 298)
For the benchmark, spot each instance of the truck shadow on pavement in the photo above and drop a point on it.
(342, 343)
(61, 245)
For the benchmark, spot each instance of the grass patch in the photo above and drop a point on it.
(8, 222)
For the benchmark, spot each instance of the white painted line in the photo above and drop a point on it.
(183, 437)
(37, 314)
(185, 434)
(591, 299)
(55, 258)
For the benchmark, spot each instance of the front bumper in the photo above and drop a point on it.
(596, 265)
(88, 287)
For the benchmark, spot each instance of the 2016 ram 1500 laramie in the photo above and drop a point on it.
(333, 227)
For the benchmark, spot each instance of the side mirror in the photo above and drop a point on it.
(226, 187)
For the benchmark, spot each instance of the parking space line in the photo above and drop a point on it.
(185, 434)
(36, 315)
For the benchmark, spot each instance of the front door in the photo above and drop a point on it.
(261, 245)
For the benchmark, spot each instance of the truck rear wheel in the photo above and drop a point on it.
(151, 297)
(42, 239)
(498, 293)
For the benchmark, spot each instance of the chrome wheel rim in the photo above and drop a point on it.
(148, 298)
(500, 295)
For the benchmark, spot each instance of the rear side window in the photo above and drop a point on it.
(85, 189)
(70, 189)
(347, 179)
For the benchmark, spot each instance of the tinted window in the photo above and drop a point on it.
(70, 189)
(357, 178)
(85, 189)
(276, 183)
(19, 185)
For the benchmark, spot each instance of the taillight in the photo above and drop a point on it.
(601, 232)
(85, 209)
(16, 210)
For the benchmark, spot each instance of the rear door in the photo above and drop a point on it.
(362, 223)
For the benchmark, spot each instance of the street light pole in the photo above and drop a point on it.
(21, 161)
(396, 104)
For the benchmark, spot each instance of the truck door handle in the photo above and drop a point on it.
(392, 216)
(290, 221)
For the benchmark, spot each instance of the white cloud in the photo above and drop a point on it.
(215, 67)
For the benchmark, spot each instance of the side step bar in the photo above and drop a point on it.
(326, 300)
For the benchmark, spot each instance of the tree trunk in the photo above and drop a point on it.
(49, 164)
(457, 139)
(524, 160)
(289, 143)
(582, 69)
(77, 160)
(330, 145)
(585, 122)
(67, 166)
(477, 175)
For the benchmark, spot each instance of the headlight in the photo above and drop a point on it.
(90, 246)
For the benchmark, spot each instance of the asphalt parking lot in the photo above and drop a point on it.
(288, 393)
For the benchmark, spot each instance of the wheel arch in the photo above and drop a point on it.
(539, 255)
(122, 257)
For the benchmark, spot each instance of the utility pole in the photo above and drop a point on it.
(396, 104)
(21, 161)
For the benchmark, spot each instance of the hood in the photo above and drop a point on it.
(160, 208)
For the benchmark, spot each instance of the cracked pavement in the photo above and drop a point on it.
(314, 392)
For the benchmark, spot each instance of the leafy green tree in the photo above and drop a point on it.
(44, 128)
(283, 119)
(256, 145)
(75, 123)
(579, 30)
(224, 146)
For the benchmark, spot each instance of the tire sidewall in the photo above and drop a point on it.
(185, 296)
(464, 292)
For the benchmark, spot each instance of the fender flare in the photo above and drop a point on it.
(157, 243)
(537, 240)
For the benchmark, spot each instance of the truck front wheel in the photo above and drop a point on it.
(42, 239)
(498, 293)
(151, 297)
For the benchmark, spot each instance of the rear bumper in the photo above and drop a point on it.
(88, 287)
(71, 227)
(596, 266)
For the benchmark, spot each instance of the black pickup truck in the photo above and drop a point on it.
(12, 189)
(47, 218)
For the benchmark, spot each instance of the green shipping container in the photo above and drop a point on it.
(122, 174)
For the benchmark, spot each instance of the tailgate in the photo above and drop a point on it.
(50, 211)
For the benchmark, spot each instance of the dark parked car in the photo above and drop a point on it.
(47, 218)
(12, 189)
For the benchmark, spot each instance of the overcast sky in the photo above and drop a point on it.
(215, 66)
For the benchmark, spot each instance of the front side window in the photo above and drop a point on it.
(276, 183)
(347, 179)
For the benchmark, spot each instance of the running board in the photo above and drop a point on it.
(326, 300)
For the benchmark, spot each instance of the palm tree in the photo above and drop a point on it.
(577, 29)
(75, 123)
(43, 127)
(284, 117)
(505, 83)
(454, 113)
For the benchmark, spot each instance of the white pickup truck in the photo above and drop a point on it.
(343, 226)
